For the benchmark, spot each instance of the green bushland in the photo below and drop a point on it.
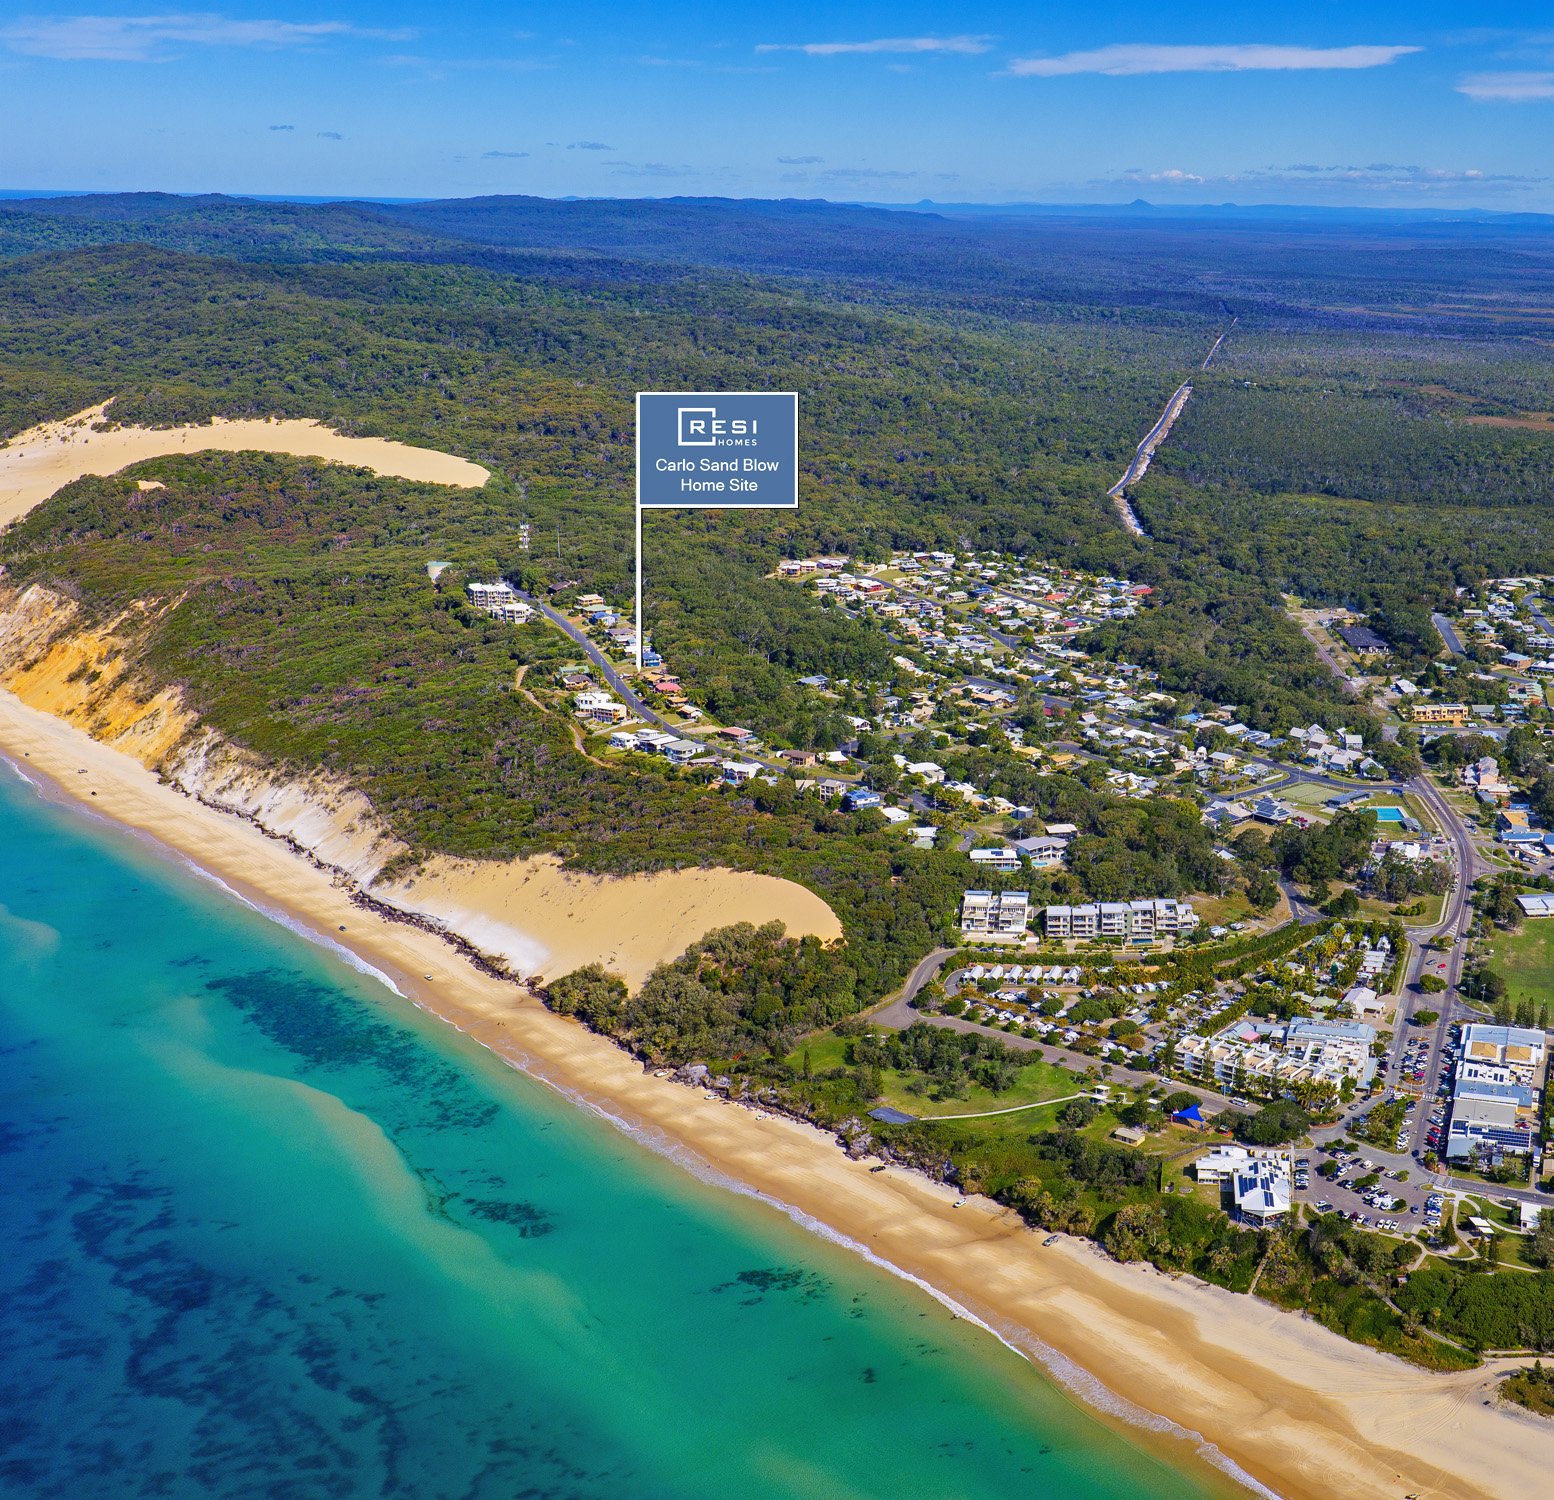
(964, 386)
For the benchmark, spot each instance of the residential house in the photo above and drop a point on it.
(599, 708)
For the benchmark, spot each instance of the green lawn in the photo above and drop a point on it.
(1306, 795)
(1038, 1080)
(1410, 804)
(1221, 911)
(1373, 910)
(1526, 959)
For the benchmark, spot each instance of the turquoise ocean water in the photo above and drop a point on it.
(270, 1232)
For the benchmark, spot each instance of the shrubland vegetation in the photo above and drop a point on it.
(963, 385)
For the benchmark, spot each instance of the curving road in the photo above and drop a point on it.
(600, 660)
(612, 676)
(897, 1012)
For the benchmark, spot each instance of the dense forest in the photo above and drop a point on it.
(964, 383)
(1369, 434)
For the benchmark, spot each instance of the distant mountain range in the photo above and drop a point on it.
(1138, 207)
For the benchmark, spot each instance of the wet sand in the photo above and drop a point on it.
(1300, 1411)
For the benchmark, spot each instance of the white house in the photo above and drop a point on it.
(599, 707)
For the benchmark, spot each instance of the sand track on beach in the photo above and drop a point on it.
(36, 463)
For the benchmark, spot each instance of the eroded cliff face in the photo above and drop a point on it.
(90, 674)
(326, 819)
(86, 673)
(54, 660)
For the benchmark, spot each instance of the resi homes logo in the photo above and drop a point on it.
(702, 427)
(717, 448)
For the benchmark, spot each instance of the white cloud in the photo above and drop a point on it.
(653, 169)
(1129, 58)
(1173, 175)
(147, 38)
(1508, 88)
(503, 155)
(965, 45)
(800, 161)
(438, 68)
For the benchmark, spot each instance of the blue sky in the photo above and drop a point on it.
(1341, 102)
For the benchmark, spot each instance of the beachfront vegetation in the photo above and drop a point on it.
(963, 386)
(1532, 1386)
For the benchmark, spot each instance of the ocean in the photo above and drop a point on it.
(271, 1232)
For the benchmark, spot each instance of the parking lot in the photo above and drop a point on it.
(1366, 1190)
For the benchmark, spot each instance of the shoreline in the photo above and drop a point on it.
(1207, 1378)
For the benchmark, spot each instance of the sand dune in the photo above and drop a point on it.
(542, 920)
(548, 921)
(39, 461)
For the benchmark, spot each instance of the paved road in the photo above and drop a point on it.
(1208, 359)
(897, 1012)
(600, 660)
(1301, 910)
(1456, 914)
(1448, 633)
(1138, 465)
(1313, 632)
(612, 676)
(1535, 608)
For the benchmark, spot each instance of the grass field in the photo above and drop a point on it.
(1373, 910)
(1526, 959)
(1306, 795)
(1038, 1081)
(1221, 911)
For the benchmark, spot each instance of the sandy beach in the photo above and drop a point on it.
(35, 463)
(1297, 1409)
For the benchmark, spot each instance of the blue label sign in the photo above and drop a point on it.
(717, 449)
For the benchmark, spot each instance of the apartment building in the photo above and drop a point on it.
(599, 708)
(1133, 921)
(500, 601)
(1271, 1059)
(1456, 714)
(1006, 914)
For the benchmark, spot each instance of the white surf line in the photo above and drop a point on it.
(299, 928)
(20, 774)
(1085, 1387)
(295, 925)
(1073, 1378)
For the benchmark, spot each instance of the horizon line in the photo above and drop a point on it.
(23, 195)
